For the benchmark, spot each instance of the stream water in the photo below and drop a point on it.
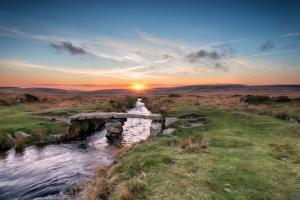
(44, 172)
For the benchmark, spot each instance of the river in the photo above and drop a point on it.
(45, 172)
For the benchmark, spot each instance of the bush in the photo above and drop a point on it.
(5, 142)
(130, 101)
(123, 104)
(131, 188)
(4, 102)
(255, 99)
(282, 115)
(20, 144)
(100, 189)
(28, 98)
(38, 133)
(282, 99)
(174, 95)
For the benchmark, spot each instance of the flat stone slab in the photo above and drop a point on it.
(170, 121)
(114, 115)
(168, 131)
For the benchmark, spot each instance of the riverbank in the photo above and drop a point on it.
(46, 121)
(236, 155)
(48, 171)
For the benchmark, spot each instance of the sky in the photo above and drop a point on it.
(92, 45)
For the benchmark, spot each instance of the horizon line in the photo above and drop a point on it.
(148, 88)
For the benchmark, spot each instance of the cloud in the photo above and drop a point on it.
(128, 73)
(268, 45)
(271, 53)
(221, 66)
(198, 55)
(69, 47)
(212, 59)
(291, 34)
(295, 43)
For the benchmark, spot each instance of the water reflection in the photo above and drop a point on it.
(43, 172)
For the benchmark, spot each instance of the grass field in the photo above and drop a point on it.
(243, 152)
(248, 157)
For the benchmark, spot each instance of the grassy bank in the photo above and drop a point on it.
(39, 119)
(248, 157)
(18, 118)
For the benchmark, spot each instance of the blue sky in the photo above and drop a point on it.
(116, 43)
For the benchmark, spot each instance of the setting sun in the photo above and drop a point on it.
(138, 86)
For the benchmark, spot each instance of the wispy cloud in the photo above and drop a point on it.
(200, 54)
(69, 47)
(144, 55)
(121, 73)
(291, 34)
(272, 52)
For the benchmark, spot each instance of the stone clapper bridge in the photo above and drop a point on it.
(112, 121)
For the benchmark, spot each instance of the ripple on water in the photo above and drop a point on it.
(43, 172)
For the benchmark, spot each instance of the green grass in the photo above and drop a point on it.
(17, 118)
(248, 157)
(103, 106)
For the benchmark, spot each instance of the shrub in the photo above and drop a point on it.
(118, 105)
(123, 194)
(20, 144)
(39, 133)
(100, 189)
(282, 99)
(135, 185)
(130, 188)
(28, 98)
(5, 142)
(123, 104)
(174, 95)
(255, 99)
(282, 115)
(4, 102)
(129, 101)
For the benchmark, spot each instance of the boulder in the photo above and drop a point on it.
(168, 131)
(113, 136)
(21, 134)
(115, 130)
(156, 127)
(170, 121)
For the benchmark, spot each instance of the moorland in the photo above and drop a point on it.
(248, 149)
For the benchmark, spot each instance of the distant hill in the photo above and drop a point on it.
(180, 89)
(198, 88)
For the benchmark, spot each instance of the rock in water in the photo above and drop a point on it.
(115, 130)
(156, 127)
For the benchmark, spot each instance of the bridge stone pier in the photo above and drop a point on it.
(112, 121)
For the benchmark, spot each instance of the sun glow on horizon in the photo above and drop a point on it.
(138, 87)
